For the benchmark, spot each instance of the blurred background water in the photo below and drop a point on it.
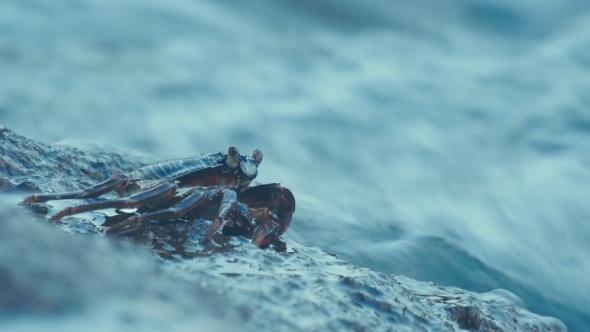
(444, 141)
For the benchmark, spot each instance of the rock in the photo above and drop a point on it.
(32, 166)
(44, 271)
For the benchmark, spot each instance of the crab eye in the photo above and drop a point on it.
(249, 168)
(232, 157)
(257, 156)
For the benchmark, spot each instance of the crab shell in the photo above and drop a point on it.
(212, 169)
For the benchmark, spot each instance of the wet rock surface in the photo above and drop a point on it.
(168, 278)
(32, 166)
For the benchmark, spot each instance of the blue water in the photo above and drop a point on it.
(447, 142)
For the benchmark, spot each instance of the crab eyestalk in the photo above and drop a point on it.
(257, 156)
(233, 157)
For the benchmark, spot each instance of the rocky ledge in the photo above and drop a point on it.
(43, 271)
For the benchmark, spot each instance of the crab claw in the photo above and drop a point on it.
(265, 234)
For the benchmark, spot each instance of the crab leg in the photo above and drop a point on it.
(115, 182)
(196, 197)
(165, 189)
(227, 203)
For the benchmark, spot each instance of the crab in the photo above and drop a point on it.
(213, 186)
